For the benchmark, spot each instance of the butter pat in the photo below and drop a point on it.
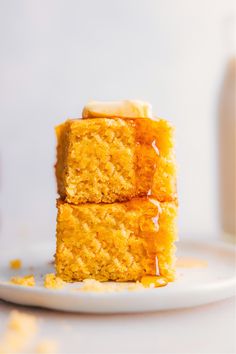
(121, 109)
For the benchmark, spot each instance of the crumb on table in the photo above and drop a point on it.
(21, 329)
(46, 346)
(51, 281)
(15, 264)
(20, 334)
(27, 280)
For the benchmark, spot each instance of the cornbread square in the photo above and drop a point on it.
(119, 241)
(108, 160)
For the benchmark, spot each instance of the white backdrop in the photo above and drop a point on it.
(57, 54)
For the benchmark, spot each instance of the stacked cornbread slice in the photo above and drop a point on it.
(116, 177)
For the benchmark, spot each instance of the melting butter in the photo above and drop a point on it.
(119, 109)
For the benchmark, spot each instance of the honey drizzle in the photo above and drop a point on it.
(146, 154)
(148, 225)
(150, 281)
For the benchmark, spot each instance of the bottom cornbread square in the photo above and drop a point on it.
(119, 241)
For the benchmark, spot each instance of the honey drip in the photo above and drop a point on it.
(149, 141)
(149, 281)
(148, 225)
(147, 153)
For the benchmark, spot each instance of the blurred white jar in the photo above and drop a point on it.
(227, 138)
(227, 152)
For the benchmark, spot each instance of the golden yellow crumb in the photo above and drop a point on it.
(92, 285)
(20, 335)
(27, 280)
(134, 286)
(51, 281)
(20, 330)
(46, 346)
(15, 264)
(95, 286)
(153, 281)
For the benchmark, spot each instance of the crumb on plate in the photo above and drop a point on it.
(27, 280)
(146, 282)
(92, 285)
(51, 281)
(15, 263)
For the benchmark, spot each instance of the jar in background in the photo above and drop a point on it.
(227, 152)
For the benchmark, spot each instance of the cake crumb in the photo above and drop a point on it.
(46, 346)
(15, 263)
(135, 286)
(21, 329)
(92, 285)
(51, 281)
(27, 280)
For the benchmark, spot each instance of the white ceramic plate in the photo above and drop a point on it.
(194, 286)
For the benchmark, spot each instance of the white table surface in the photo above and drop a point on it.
(206, 329)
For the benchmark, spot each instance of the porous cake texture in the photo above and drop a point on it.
(113, 159)
(120, 241)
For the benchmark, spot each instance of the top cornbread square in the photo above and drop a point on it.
(113, 159)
